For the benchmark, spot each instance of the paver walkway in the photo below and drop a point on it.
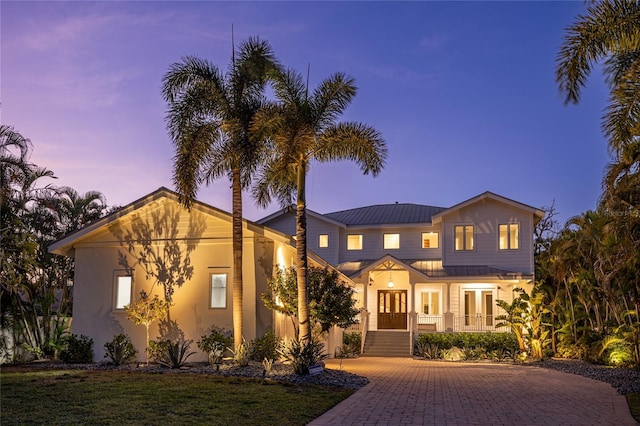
(404, 391)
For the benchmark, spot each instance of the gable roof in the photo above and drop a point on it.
(385, 214)
(64, 246)
(291, 210)
(490, 196)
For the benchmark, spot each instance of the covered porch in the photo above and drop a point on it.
(425, 297)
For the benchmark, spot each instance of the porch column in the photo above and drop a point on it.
(413, 315)
(448, 315)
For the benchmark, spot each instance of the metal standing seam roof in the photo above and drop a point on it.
(353, 269)
(385, 214)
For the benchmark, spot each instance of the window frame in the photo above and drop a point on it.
(211, 287)
(396, 238)
(465, 240)
(508, 240)
(117, 290)
(360, 242)
(437, 236)
(320, 240)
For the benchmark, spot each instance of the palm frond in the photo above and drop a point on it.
(608, 28)
(353, 141)
(331, 98)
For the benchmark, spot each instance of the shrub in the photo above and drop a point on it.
(488, 341)
(120, 349)
(78, 350)
(242, 354)
(215, 344)
(172, 354)
(266, 347)
(352, 342)
(217, 335)
(427, 350)
(453, 354)
(303, 355)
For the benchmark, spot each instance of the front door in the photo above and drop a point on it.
(392, 309)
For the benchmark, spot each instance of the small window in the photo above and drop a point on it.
(464, 237)
(354, 242)
(323, 241)
(509, 236)
(429, 240)
(123, 290)
(391, 241)
(218, 291)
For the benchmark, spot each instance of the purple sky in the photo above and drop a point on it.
(464, 94)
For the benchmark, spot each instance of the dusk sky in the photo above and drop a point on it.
(463, 93)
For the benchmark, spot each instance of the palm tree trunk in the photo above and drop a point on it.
(236, 190)
(301, 258)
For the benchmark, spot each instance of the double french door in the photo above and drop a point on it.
(392, 309)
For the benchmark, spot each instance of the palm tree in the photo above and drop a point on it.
(208, 121)
(302, 128)
(609, 33)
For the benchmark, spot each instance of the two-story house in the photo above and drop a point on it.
(415, 268)
(422, 268)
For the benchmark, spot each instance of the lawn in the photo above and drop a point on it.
(115, 397)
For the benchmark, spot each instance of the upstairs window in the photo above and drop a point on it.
(323, 240)
(354, 242)
(391, 241)
(508, 238)
(463, 237)
(122, 291)
(429, 240)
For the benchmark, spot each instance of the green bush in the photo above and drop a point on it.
(302, 356)
(266, 347)
(172, 354)
(351, 344)
(207, 343)
(120, 349)
(78, 349)
(476, 345)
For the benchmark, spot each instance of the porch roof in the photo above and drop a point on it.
(429, 269)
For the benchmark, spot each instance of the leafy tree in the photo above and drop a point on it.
(331, 300)
(209, 121)
(303, 128)
(145, 311)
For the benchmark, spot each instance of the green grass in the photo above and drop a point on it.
(72, 397)
(633, 399)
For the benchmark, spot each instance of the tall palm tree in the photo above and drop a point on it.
(208, 121)
(303, 128)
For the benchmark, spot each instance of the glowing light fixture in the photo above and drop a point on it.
(390, 283)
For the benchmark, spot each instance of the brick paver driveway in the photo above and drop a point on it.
(404, 391)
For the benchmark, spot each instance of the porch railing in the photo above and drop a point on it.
(430, 323)
(474, 323)
(478, 322)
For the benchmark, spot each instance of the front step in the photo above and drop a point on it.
(387, 344)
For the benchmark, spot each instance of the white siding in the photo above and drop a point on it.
(485, 216)
(373, 244)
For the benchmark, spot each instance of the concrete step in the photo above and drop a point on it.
(387, 344)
